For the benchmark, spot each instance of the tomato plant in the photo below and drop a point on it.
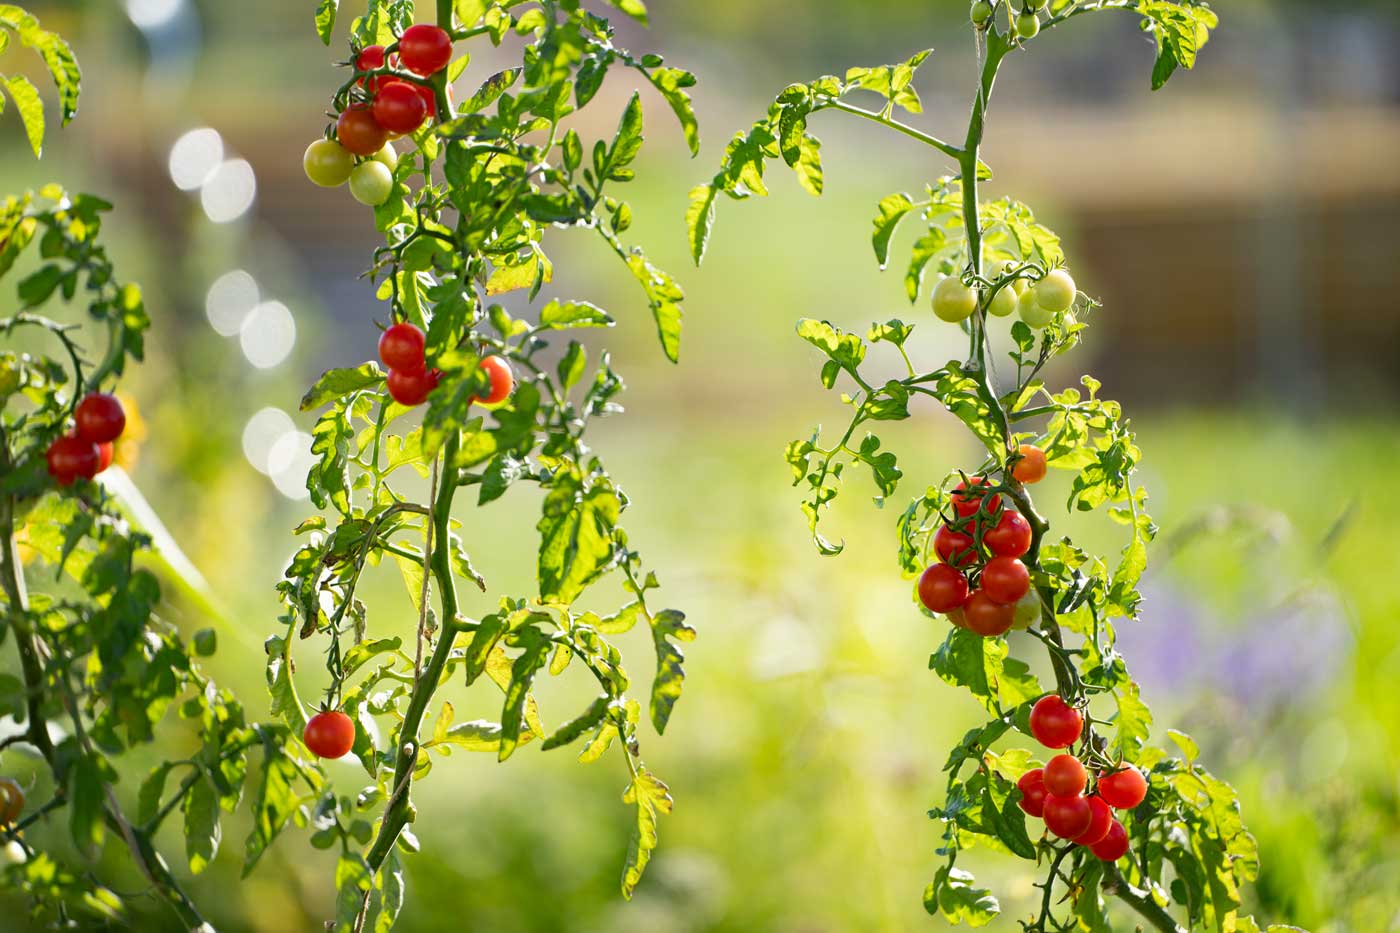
(477, 401)
(1191, 853)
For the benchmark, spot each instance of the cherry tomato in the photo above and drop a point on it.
(1124, 789)
(1032, 786)
(387, 156)
(328, 163)
(1101, 821)
(987, 617)
(1003, 303)
(1005, 579)
(952, 300)
(11, 800)
(1067, 817)
(371, 58)
(329, 734)
(1055, 292)
(966, 501)
(942, 588)
(502, 380)
(1030, 468)
(981, 12)
(1031, 311)
(401, 347)
(371, 183)
(412, 388)
(99, 418)
(1027, 25)
(399, 108)
(70, 457)
(359, 132)
(1010, 537)
(954, 547)
(1054, 723)
(1114, 845)
(1027, 610)
(105, 452)
(957, 617)
(1065, 776)
(425, 49)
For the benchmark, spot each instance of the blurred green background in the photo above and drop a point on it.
(1239, 228)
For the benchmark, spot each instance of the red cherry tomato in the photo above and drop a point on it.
(942, 588)
(11, 801)
(1114, 845)
(1101, 820)
(359, 132)
(401, 347)
(965, 501)
(1010, 537)
(1067, 817)
(399, 108)
(425, 49)
(329, 734)
(1005, 579)
(1123, 790)
(1032, 786)
(954, 547)
(371, 58)
(1054, 723)
(105, 452)
(100, 418)
(1031, 467)
(502, 379)
(412, 388)
(70, 457)
(988, 617)
(1065, 776)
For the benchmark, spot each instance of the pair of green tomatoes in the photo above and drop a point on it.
(1027, 23)
(1037, 304)
(330, 165)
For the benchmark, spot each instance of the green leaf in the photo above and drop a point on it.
(892, 210)
(353, 885)
(700, 219)
(274, 802)
(664, 296)
(337, 383)
(328, 481)
(671, 83)
(575, 728)
(846, 349)
(576, 534)
(522, 676)
(952, 894)
(1133, 722)
(633, 8)
(325, 19)
(652, 798)
(87, 802)
(62, 65)
(31, 110)
(202, 831)
(670, 675)
(558, 315)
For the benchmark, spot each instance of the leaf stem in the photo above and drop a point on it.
(946, 148)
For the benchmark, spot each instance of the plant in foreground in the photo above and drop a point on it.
(464, 201)
(1177, 853)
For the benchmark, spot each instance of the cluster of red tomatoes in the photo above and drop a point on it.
(1055, 793)
(401, 347)
(395, 107)
(98, 421)
(985, 589)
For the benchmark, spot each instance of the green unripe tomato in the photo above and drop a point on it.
(387, 156)
(1027, 610)
(1056, 291)
(1027, 25)
(1004, 302)
(952, 300)
(371, 183)
(1032, 312)
(327, 163)
(981, 12)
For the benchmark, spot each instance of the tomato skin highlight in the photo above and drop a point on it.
(1006, 580)
(412, 388)
(986, 616)
(502, 380)
(1054, 723)
(1010, 537)
(425, 49)
(1031, 467)
(966, 499)
(1101, 821)
(947, 543)
(70, 457)
(1067, 817)
(1114, 845)
(1032, 787)
(329, 734)
(401, 347)
(399, 108)
(1065, 776)
(327, 163)
(943, 588)
(1123, 789)
(100, 418)
(358, 131)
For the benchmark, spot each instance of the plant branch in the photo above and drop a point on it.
(946, 148)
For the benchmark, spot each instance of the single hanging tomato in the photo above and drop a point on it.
(966, 499)
(954, 547)
(1123, 789)
(1030, 468)
(1100, 822)
(11, 801)
(1054, 723)
(1065, 776)
(100, 418)
(401, 347)
(1114, 845)
(358, 131)
(425, 49)
(329, 734)
(412, 388)
(399, 108)
(70, 457)
(942, 588)
(986, 616)
(502, 380)
(1005, 579)
(371, 183)
(1067, 817)
(327, 163)
(371, 58)
(1032, 786)
(1010, 537)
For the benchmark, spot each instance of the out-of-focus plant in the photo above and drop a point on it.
(464, 212)
(99, 667)
(1178, 842)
